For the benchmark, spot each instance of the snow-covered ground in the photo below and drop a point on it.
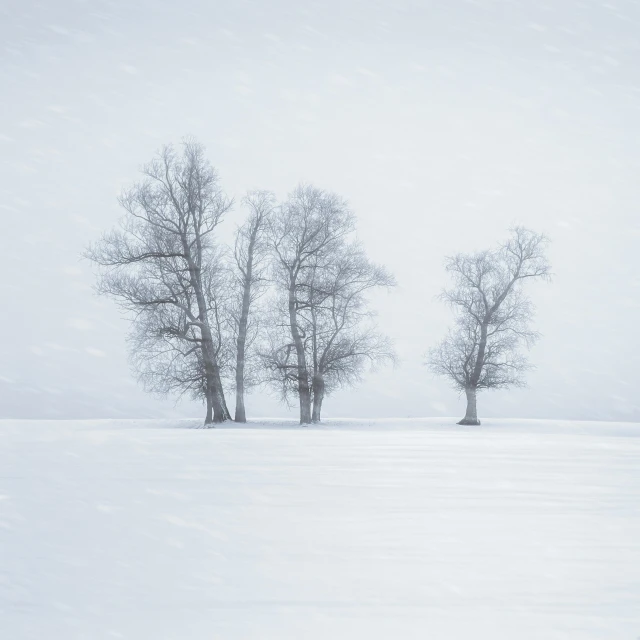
(406, 529)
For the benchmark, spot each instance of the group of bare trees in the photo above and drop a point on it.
(285, 306)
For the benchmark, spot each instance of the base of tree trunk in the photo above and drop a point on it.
(469, 421)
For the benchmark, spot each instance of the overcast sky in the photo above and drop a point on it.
(442, 123)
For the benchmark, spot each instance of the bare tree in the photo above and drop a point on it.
(162, 263)
(492, 317)
(324, 276)
(250, 258)
(305, 230)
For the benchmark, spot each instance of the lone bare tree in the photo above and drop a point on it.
(493, 316)
(250, 275)
(162, 263)
(324, 278)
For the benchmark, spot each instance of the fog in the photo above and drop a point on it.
(442, 124)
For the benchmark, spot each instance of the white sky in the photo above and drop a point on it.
(441, 122)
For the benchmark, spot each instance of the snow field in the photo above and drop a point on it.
(356, 529)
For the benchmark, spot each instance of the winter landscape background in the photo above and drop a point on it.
(443, 124)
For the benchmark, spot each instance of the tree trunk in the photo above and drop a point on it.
(305, 399)
(209, 417)
(471, 416)
(318, 397)
(218, 413)
(219, 392)
(212, 370)
(225, 409)
(304, 392)
(256, 227)
(215, 410)
(241, 415)
(215, 394)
